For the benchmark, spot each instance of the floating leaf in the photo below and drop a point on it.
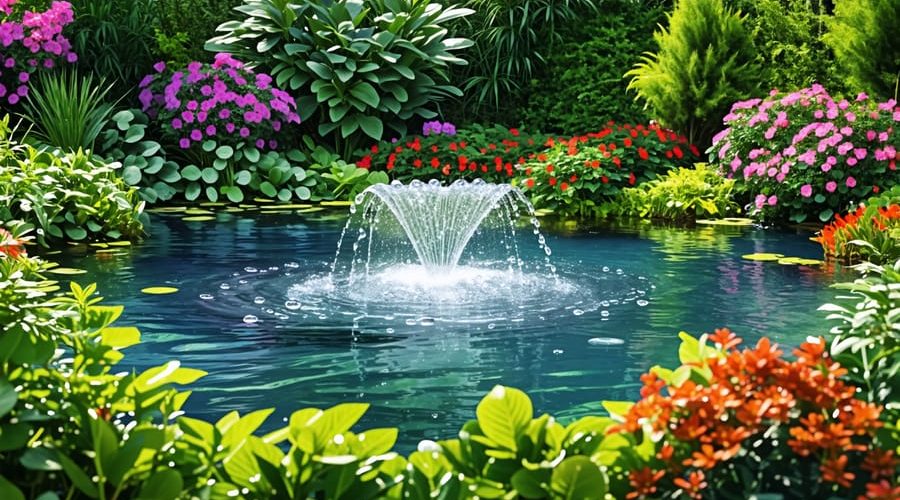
(167, 210)
(99, 245)
(197, 211)
(728, 221)
(336, 203)
(198, 218)
(763, 256)
(122, 243)
(271, 212)
(286, 207)
(67, 271)
(213, 204)
(263, 200)
(159, 290)
(234, 209)
(798, 261)
(310, 210)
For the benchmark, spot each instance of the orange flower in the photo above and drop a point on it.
(833, 471)
(882, 490)
(693, 485)
(9, 245)
(881, 463)
(644, 482)
(725, 338)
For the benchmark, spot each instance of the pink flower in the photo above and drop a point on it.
(851, 161)
(830, 186)
(760, 201)
(826, 167)
(773, 200)
(861, 153)
(870, 135)
(862, 96)
(851, 182)
(806, 190)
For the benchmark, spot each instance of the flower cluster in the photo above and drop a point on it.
(438, 128)
(874, 226)
(11, 246)
(806, 152)
(754, 405)
(223, 101)
(575, 172)
(36, 42)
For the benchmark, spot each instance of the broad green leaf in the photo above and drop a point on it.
(120, 337)
(8, 397)
(162, 485)
(9, 491)
(190, 172)
(78, 476)
(577, 478)
(131, 175)
(42, 459)
(503, 414)
(372, 126)
(224, 152)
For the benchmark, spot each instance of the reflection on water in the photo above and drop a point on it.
(638, 286)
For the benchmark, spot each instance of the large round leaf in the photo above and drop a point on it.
(577, 478)
(209, 175)
(503, 414)
(224, 152)
(190, 172)
(131, 175)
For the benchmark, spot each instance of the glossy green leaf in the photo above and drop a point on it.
(165, 484)
(9, 491)
(577, 478)
(503, 414)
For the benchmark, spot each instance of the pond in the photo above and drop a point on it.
(249, 312)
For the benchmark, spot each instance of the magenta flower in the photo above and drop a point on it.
(772, 201)
(196, 135)
(159, 67)
(760, 201)
(184, 142)
(851, 182)
(830, 186)
(176, 123)
(806, 190)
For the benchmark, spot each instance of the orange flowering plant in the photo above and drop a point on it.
(869, 233)
(729, 423)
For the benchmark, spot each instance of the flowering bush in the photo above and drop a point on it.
(575, 175)
(474, 152)
(866, 234)
(223, 101)
(806, 153)
(745, 421)
(31, 44)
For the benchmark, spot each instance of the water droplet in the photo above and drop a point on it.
(619, 271)
(352, 209)
(434, 415)
(389, 330)
(491, 326)
(293, 305)
(410, 322)
(282, 316)
(250, 269)
(547, 250)
(605, 269)
(426, 321)
(242, 282)
(206, 296)
(273, 268)
(558, 351)
(292, 265)
(642, 303)
(259, 300)
(605, 314)
(250, 319)
(577, 312)
(269, 311)
(224, 286)
(359, 199)
(605, 341)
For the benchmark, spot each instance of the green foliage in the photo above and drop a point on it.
(580, 87)
(512, 40)
(867, 339)
(66, 196)
(863, 35)
(114, 38)
(788, 37)
(68, 111)
(706, 61)
(183, 27)
(682, 194)
(213, 172)
(356, 67)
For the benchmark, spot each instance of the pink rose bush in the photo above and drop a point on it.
(223, 103)
(806, 153)
(30, 42)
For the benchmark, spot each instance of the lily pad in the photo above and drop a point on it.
(197, 211)
(310, 210)
(167, 210)
(113, 251)
(728, 221)
(286, 207)
(541, 212)
(336, 203)
(263, 200)
(99, 245)
(198, 218)
(66, 270)
(798, 261)
(271, 212)
(159, 290)
(763, 256)
(213, 204)
(122, 243)
(234, 209)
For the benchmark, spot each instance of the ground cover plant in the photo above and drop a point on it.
(806, 154)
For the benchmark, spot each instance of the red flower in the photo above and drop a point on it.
(693, 485)
(564, 186)
(417, 163)
(678, 153)
(643, 153)
(552, 181)
(631, 179)
(9, 245)
(434, 148)
(514, 132)
(529, 183)
(627, 142)
(374, 149)
(694, 150)
(435, 163)
(617, 161)
(882, 490)
(604, 179)
(453, 146)
(365, 163)
(643, 482)
(875, 189)
(549, 169)
(573, 178)
(833, 471)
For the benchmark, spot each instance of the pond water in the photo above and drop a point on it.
(253, 310)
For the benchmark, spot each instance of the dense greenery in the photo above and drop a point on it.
(184, 27)
(863, 34)
(681, 195)
(356, 67)
(66, 196)
(706, 60)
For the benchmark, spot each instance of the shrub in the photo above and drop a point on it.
(576, 176)
(866, 234)
(805, 153)
(35, 43)
(114, 38)
(788, 38)
(863, 35)
(68, 111)
(681, 195)
(739, 422)
(705, 61)
(473, 152)
(70, 195)
(356, 66)
(184, 27)
(580, 86)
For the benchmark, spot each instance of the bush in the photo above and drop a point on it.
(705, 61)
(66, 196)
(580, 86)
(788, 37)
(470, 153)
(35, 43)
(867, 234)
(680, 195)
(184, 27)
(578, 175)
(805, 154)
(863, 35)
(115, 38)
(68, 111)
(356, 66)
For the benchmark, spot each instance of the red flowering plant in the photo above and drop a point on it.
(807, 154)
(869, 233)
(730, 423)
(474, 152)
(12, 244)
(576, 175)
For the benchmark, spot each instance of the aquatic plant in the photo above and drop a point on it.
(806, 154)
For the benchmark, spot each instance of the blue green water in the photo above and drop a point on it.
(642, 285)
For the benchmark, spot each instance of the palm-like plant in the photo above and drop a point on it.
(68, 111)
